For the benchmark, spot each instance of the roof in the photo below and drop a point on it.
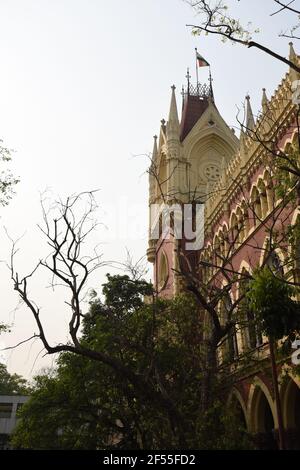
(193, 108)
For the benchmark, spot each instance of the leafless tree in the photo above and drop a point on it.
(66, 228)
(216, 20)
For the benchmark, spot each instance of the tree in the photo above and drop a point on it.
(12, 384)
(215, 20)
(279, 316)
(86, 404)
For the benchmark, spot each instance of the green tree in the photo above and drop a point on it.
(278, 315)
(11, 384)
(86, 404)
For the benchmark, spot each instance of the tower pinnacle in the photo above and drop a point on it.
(173, 121)
(264, 100)
(154, 152)
(250, 122)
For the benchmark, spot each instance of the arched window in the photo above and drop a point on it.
(225, 238)
(234, 228)
(230, 346)
(163, 271)
(274, 263)
(270, 193)
(240, 225)
(263, 198)
(252, 335)
(246, 222)
(256, 206)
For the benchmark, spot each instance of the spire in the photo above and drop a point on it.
(211, 86)
(173, 122)
(250, 123)
(154, 152)
(264, 101)
(293, 58)
(292, 54)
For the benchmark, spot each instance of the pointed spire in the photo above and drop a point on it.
(250, 123)
(264, 100)
(293, 58)
(154, 152)
(173, 122)
(292, 54)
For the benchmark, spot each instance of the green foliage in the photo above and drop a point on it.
(12, 384)
(223, 428)
(124, 294)
(271, 299)
(86, 404)
(286, 172)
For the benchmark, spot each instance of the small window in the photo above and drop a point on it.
(5, 410)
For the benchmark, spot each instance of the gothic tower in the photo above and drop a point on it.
(187, 159)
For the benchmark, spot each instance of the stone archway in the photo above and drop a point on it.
(263, 420)
(236, 406)
(290, 395)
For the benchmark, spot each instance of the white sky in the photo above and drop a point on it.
(83, 86)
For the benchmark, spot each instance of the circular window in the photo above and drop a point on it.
(212, 172)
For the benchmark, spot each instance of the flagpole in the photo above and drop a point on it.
(197, 76)
(210, 83)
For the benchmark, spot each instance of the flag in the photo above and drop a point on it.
(201, 61)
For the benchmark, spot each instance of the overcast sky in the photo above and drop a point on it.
(83, 87)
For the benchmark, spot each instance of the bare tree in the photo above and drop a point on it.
(215, 20)
(67, 226)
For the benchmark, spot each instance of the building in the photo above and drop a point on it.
(199, 158)
(9, 406)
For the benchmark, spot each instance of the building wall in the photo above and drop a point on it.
(201, 159)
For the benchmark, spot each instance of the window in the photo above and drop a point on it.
(274, 263)
(5, 410)
(163, 271)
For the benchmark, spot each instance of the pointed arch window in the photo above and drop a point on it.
(163, 273)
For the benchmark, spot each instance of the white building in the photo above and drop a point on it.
(9, 405)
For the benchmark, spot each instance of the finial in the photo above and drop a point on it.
(292, 54)
(163, 122)
(154, 152)
(188, 77)
(173, 121)
(250, 123)
(294, 59)
(264, 101)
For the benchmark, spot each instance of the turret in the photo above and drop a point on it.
(293, 58)
(264, 101)
(173, 127)
(250, 122)
(173, 150)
